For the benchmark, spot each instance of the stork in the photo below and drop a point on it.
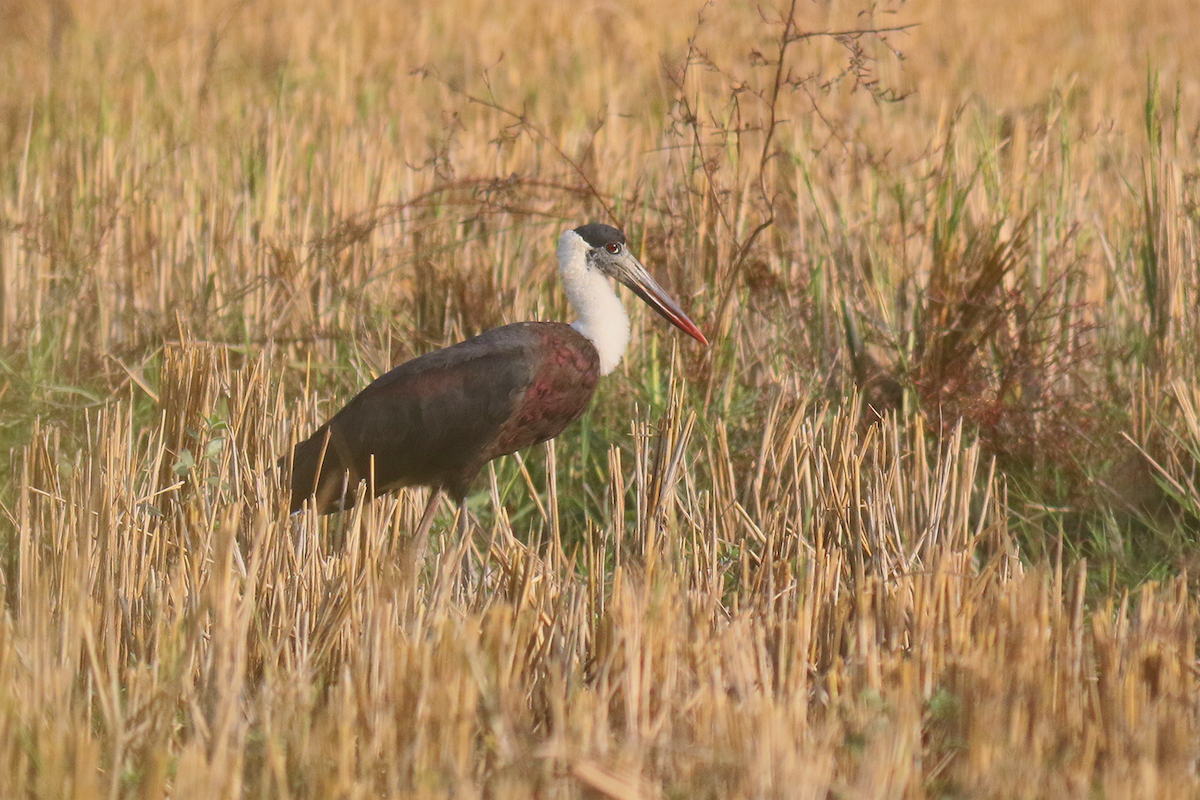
(437, 419)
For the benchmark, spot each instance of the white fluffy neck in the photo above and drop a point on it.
(602, 317)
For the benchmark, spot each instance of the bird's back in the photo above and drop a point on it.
(437, 419)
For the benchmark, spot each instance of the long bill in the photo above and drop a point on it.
(638, 278)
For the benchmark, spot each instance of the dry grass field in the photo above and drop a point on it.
(922, 522)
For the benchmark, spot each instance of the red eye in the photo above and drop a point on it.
(613, 248)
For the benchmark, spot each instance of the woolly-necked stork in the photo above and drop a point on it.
(437, 419)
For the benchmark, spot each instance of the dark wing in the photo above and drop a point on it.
(428, 421)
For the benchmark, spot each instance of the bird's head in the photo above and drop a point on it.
(605, 250)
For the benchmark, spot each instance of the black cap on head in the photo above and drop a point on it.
(598, 234)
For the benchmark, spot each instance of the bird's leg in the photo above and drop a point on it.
(457, 573)
(414, 553)
(464, 519)
(464, 531)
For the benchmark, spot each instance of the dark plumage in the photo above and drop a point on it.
(436, 420)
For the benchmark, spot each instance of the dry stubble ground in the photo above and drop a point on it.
(217, 220)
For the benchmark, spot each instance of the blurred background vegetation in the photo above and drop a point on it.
(997, 204)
